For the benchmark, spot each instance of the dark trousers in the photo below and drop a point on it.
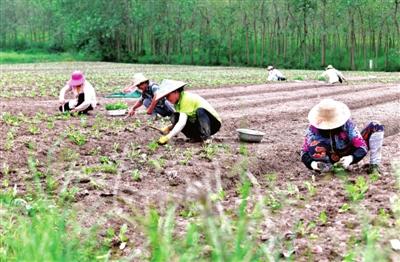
(204, 125)
(81, 99)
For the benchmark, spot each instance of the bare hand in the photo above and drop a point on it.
(131, 112)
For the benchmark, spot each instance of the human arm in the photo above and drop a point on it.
(128, 89)
(138, 104)
(152, 106)
(61, 97)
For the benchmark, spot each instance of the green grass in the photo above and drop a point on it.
(12, 57)
(39, 230)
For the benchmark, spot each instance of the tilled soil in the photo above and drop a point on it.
(279, 109)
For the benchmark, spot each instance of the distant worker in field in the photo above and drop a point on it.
(333, 138)
(149, 90)
(274, 74)
(84, 95)
(194, 116)
(333, 75)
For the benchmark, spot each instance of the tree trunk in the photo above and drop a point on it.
(323, 38)
(352, 40)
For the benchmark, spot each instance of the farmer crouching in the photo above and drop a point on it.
(274, 74)
(149, 89)
(194, 116)
(333, 75)
(84, 95)
(333, 138)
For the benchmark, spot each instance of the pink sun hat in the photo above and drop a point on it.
(77, 79)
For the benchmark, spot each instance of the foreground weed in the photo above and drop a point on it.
(38, 230)
(210, 237)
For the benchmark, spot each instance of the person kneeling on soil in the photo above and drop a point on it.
(84, 95)
(332, 138)
(333, 75)
(274, 74)
(149, 90)
(194, 116)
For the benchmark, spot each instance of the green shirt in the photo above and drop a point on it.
(188, 103)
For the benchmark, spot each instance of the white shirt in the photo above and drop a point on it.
(333, 75)
(274, 74)
(88, 90)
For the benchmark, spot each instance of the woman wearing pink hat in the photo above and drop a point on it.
(332, 137)
(84, 95)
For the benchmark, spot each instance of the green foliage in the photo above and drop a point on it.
(116, 106)
(202, 32)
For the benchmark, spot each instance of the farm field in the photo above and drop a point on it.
(113, 176)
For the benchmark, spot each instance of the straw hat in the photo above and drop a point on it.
(77, 79)
(329, 114)
(269, 68)
(329, 67)
(168, 86)
(138, 79)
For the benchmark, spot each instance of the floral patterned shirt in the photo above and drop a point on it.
(330, 145)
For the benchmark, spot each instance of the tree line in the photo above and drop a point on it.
(287, 33)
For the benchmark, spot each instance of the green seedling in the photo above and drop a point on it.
(136, 176)
(344, 208)
(30, 145)
(243, 150)
(33, 129)
(357, 190)
(77, 137)
(209, 151)
(323, 218)
(10, 119)
(117, 147)
(153, 145)
(69, 195)
(188, 155)
(158, 163)
(312, 190)
(9, 140)
(273, 203)
(219, 196)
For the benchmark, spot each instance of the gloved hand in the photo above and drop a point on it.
(346, 161)
(165, 130)
(163, 140)
(321, 166)
(314, 166)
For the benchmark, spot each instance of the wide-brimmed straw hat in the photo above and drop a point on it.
(269, 68)
(168, 86)
(77, 79)
(329, 67)
(138, 79)
(329, 114)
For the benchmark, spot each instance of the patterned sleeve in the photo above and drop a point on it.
(305, 156)
(357, 141)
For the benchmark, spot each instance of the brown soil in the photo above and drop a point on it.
(278, 109)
